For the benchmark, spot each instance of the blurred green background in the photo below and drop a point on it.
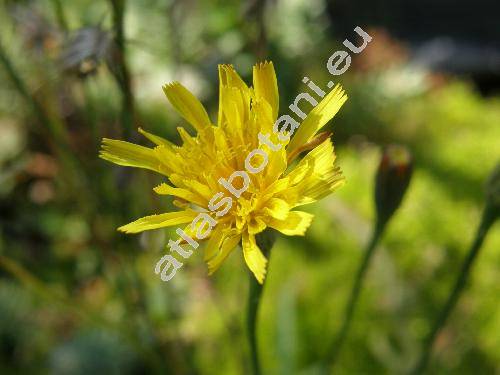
(77, 297)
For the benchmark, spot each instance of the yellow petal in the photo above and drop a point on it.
(263, 113)
(187, 139)
(318, 162)
(187, 105)
(159, 221)
(254, 258)
(236, 110)
(154, 138)
(276, 187)
(256, 225)
(295, 224)
(192, 185)
(228, 244)
(314, 177)
(169, 157)
(130, 155)
(266, 86)
(180, 203)
(310, 145)
(277, 208)
(318, 117)
(191, 232)
(228, 78)
(214, 242)
(276, 166)
(164, 189)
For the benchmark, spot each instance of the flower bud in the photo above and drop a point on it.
(493, 192)
(392, 180)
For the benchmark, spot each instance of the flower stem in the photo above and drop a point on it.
(486, 222)
(121, 71)
(265, 241)
(336, 347)
(254, 295)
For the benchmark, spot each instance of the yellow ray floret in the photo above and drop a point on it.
(266, 86)
(159, 221)
(318, 117)
(129, 155)
(254, 258)
(187, 105)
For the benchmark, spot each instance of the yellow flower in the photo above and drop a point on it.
(203, 173)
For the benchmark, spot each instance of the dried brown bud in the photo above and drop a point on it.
(392, 180)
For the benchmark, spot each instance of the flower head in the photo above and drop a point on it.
(238, 173)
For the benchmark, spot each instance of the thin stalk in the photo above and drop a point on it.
(254, 20)
(265, 241)
(121, 73)
(121, 70)
(487, 221)
(261, 40)
(337, 344)
(255, 292)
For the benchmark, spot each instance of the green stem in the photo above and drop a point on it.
(254, 295)
(337, 344)
(122, 72)
(261, 39)
(486, 222)
(265, 241)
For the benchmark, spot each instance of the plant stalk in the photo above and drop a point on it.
(265, 241)
(121, 70)
(336, 347)
(255, 292)
(487, 221)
